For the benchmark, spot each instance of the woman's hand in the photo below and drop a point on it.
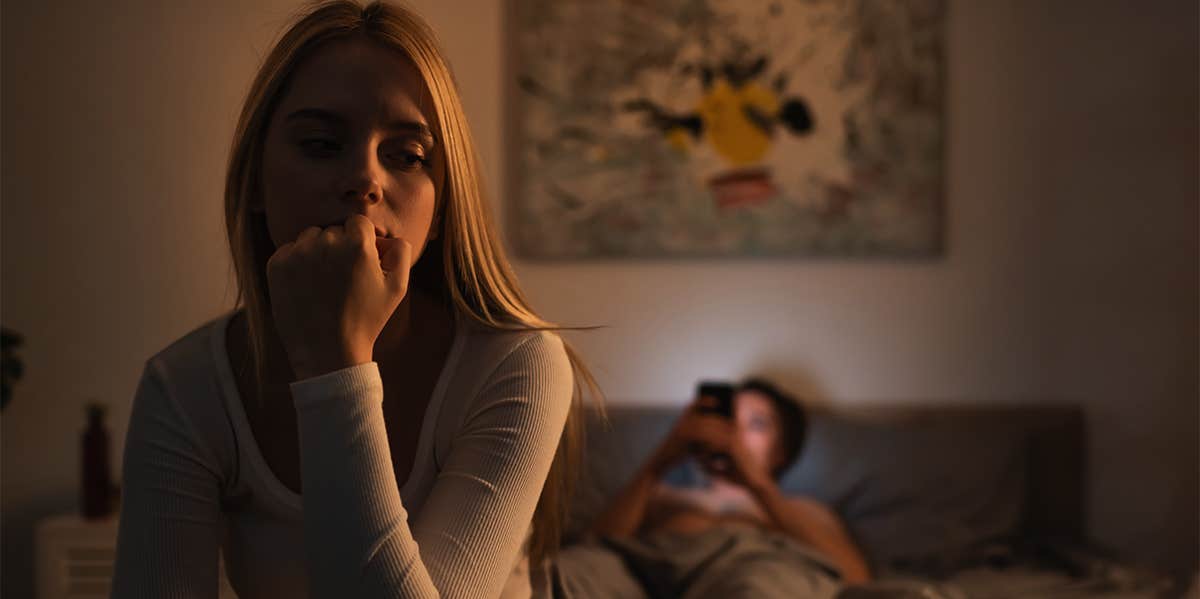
(332, 292)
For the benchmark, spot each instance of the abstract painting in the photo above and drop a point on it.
(710, 128)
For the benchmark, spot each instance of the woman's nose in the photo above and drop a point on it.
(362, 177)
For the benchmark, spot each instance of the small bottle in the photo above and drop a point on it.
(97, 482)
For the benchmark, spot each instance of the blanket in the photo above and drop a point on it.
(726, 562)
(735, 561)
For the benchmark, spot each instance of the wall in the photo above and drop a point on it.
(1070, 274)
(1116, 159)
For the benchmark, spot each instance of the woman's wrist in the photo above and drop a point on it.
(308, 366)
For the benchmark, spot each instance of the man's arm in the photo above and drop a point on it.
(626, 513)
(815, 524)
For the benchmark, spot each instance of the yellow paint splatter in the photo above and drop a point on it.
(726, 126)
(680, 139)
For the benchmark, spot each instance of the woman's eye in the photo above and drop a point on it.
(325, 148)
(410, 160)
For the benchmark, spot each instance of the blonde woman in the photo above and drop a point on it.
(384, 415)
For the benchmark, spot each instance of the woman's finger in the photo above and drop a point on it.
(389, 258)
(329, 236)
(360, 229)
(307, 235)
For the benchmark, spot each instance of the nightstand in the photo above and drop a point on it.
(74, 558)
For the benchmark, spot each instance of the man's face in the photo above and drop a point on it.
(758, 427)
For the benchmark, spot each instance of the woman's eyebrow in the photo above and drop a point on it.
(329, 116)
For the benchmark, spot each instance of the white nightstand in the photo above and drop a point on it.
(75, 558)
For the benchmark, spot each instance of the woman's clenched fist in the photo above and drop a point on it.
(333, 290)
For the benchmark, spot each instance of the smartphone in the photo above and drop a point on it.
(715, 397)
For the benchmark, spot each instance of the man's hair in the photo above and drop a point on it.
(793, 423)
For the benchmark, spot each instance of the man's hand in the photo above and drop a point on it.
(742, 469)
(708, 434)
(694, 429)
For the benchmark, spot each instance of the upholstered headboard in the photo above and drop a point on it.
(910, 479)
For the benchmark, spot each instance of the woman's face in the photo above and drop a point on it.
(758, 427)
(349, 136)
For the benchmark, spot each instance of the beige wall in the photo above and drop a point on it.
(1071, 272)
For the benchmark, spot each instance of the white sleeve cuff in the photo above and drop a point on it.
(360, 381)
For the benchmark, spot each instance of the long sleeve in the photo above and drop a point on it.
(169, 532)
(470, 530)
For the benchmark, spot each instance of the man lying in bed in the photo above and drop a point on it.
(737, 535)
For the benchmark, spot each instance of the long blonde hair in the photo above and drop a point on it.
(467, 269)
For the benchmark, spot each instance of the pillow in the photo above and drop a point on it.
(917, 496)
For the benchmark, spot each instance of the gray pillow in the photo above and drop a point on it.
(915, 495)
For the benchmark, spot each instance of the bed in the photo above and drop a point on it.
(947, 501)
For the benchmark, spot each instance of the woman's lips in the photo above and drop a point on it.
(379, 232)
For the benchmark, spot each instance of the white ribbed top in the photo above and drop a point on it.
(195, 482)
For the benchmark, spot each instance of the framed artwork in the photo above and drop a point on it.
(708, 128)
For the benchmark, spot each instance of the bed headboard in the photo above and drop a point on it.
(1044, 442)
(1053, 440)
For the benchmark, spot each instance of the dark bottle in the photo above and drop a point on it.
(97, 484)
